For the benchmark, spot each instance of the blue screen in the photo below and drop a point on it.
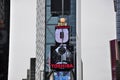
(62, 76)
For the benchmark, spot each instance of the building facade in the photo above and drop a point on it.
(114, 58)
(4, 38)
(117, 10)
(28, 74)
(31, 71)
(24, 79)
(32, 68)
(50, 38)
(115, 45)
(40, 39)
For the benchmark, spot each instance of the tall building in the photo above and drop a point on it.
(4, 38)
(32, 68)
(24, 79)
(58, 40)
(28, 74)
(40, 38)
(115, 45)
(114, 58)
(31, 71)
(117, 10)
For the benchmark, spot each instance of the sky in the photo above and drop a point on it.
(97, 29)
(22, 37)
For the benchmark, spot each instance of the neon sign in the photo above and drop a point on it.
(60, 66)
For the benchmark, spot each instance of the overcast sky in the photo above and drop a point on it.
(97, 29)
(22, 33)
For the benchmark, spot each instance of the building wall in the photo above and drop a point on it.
(118, 18)
(32, 68)
(40, 37)
(78, 40)
(4, 38)
(49, 26)
(2, 10)
(115, 61)
(117, 10)
(28, 74)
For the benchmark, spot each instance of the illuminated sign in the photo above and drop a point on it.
(60, 66)
(62, 76)
(62, 53)
(61, 35)
(60, 42)
(62, 57)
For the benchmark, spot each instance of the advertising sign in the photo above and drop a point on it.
(60, 44)
(62, 57)
(62, 76)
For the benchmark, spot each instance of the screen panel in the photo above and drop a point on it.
(56, 7)
(62, 76)
(60, 43)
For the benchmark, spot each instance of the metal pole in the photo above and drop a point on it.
(62, 8)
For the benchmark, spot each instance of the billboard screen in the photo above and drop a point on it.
(60, 42)
(62, 76)
(62, 57)
(56, 7)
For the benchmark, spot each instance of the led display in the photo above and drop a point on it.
(60, 41)
(56, 7)
(62, 57)
(61, 35)
(62, 76)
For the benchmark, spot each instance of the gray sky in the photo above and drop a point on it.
(97, 29)
(22, 42)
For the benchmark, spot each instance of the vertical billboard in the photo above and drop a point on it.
(60, 42)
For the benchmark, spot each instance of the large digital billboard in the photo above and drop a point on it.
(60, 43)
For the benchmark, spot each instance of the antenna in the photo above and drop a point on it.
(62, 8)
